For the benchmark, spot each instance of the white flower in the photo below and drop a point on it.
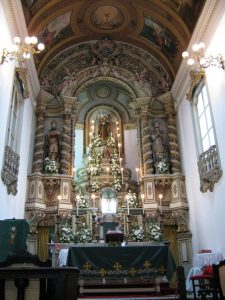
(66, 234)
(137, 233)
(162, 166)
(132, 199)
(51, 166)
(154, 232)
(84, 235)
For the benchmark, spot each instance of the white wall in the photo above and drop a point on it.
(13, 206)
(207, 210)
(131, 151)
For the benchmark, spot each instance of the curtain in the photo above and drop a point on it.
(43, 238)
(170, 234)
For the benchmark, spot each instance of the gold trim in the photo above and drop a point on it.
(195, 78)
(22, 72)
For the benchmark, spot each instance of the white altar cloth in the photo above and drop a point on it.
(203, 259)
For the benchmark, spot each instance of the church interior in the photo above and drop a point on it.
(112, 120)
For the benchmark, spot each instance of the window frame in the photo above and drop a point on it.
(197, 129)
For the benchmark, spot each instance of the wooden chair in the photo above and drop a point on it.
(204, 284)
(219, 273)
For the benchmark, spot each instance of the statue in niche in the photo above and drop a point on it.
(53, 142)
(159, 147)
(104, 128)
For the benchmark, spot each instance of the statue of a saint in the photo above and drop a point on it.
(53, 142)
(159, 147)
(104, 128)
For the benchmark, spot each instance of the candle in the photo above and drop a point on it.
(120, 161)
(160, 202)
(119, 145)
(128, 205)
(142, 198)
(78, 200)
(59, 198)
(122, 174)
(137, 170)
(93, 199)
(91, 174)
(107, 173)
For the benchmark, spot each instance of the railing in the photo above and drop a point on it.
(10, 170)
(209, 169)
(55, 283)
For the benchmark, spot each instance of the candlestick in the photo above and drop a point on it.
(137, 170)
(160, 202)
(122, 174)
(78, 200)
(59, 198)
(93, 199)
(142, 198)
(120, 161)
(107, 174)
(128, 205)
(119, 145)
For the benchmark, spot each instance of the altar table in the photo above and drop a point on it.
(122, 262)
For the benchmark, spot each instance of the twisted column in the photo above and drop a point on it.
(66, 152)
(146, 144)
(39, 142)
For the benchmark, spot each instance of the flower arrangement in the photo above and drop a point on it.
(83, 200)
(114, 165)
(117, 183)
(137, 233)
(95, 186)
(132, 199)
(51, 166)
(155, 233)
(66, 234)
(162, 166)
(84, 235)
(96, 141)
(110, 142)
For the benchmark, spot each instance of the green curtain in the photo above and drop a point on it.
(43, 238)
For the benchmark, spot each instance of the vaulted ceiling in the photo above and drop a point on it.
(160, 28)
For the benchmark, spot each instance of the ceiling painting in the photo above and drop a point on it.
(107, 17)
(160, 36)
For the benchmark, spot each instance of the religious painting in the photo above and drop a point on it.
(30, 7)
(56, 30)
(189, 10)
(107, 17)
(160, 36)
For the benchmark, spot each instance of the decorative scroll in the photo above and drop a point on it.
(209, 169)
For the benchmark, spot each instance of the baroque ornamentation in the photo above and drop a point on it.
(209, 169)
(10, 170)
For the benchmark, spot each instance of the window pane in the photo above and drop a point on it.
(200, 106)
(205, 143)
(208, 117)
(211, 137)
(205, 96)
(203, 126)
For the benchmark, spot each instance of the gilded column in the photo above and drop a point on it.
(172, 133)
(39, 141)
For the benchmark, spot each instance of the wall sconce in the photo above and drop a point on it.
(201, 61)
(22, 51)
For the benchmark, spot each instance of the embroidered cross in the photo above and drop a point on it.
(103, 272)
(117, 266)
(132, 271)
(162, 269)
(146, 264)
(87, 266)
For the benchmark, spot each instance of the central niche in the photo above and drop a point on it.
(108, 198)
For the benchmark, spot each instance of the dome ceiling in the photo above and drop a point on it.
(162, 28)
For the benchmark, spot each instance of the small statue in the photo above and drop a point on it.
(53, 142)
(104, 128)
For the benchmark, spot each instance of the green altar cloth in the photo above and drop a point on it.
(122, 262)
(13, 236)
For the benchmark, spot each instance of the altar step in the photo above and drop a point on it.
(138, 289)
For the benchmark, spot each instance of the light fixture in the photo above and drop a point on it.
(199, 60)
(22, 51)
